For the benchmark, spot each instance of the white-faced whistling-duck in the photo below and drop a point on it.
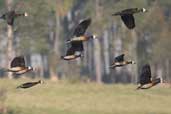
(127, 16)
(79, 32)
(145, 81)
(119, 62)
(11, 15)
(74, 51)
(30, 84)
(18, 66)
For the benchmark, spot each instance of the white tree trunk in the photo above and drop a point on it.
(10, 51)
(97, 61)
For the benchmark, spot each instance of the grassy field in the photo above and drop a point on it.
(81, 98)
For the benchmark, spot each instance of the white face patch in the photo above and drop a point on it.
(25, 14)
(133, 62)
(94, 36)
(29, 67)
(144, 10)
(41, 82)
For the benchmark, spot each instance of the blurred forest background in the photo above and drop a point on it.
(41, 38)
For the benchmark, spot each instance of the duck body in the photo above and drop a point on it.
(119, 61)
(81, 38)
(149, 84)
(128, 11)
(145, 81)
(29, 84)
(70, 57)
(18, 66)
(120, 64)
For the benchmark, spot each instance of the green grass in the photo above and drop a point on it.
(81, 98)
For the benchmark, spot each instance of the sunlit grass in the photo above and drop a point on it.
(82, 98)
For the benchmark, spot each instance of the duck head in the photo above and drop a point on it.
(93, 36)
(25, 14)
(41, 81)
(144, 10)
(30, 68)
(133, 62)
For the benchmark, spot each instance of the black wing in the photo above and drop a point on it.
(77, 46)
(10, 17)
(82, 27)
(70, 51)
(128, 20)
(18, 62)
(145, 76)
(119, 58)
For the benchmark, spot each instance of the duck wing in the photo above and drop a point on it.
(77, 46)
(82, 27)
(128, 20)
(145, 76)
(119, 58)
(18, 62)
(70, 51)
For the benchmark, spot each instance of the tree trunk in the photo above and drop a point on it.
(97, 61)
(106, 52)
(97, 48)
(10, 50)
(56, 46)
(133, 52)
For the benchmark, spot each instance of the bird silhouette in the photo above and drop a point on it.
(11, 16)
(29, 84)
(145, 81)
(119, 61)
(127, 16)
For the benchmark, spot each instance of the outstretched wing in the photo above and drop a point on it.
(119, 58)
(18, 62)
(77, 46)
(128, 20)
(145, 76)
(82, 27)
(70, 51)
(10, 17)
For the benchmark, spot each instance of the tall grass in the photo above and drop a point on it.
(85, 98)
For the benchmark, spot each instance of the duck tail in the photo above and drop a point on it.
(116, 14)
(18, 87)
(112, 66)
(139, 87)
(68, 41)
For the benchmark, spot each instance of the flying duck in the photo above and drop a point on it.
(18, 66)
(11, 15)
(127, 16)
(145, 81)
(76, 48)
(119, 61)
(79, 32)
(29, 84)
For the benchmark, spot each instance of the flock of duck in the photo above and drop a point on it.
(76, 49)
